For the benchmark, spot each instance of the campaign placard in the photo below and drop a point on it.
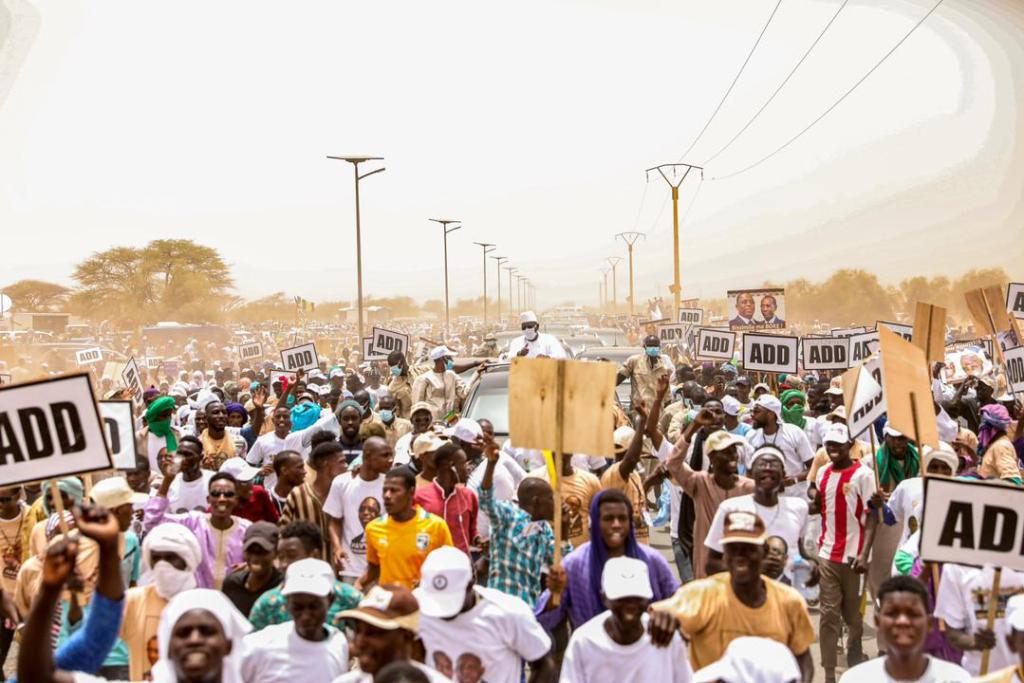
(906, 380)
(172, 367)
(250, 351)
(1015, 300)
(972, 522)
(769, 352)
(119, 429)
(673, 334)
(826, 353)
(383, 342)
(758, 309)
(848, 331)
(50, 429)
(863, 396)
(715, 344)
(905, 331)
(1015, 368)
(691, 316)
(88, 356)
(154, 362)
(133, 380)
(302, 357)
(863, 346)
(370, 355)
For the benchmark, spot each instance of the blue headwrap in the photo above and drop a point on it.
(69, 485)
(304, 415)
(599, 551)
(238, 408)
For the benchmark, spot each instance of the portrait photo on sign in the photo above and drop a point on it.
(757, 309)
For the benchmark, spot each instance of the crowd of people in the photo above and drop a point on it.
(347, 524)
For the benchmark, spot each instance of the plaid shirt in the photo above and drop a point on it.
(272, 607)
(521, 549)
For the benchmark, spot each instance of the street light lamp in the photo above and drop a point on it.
(445, 222)
(498, 260)
(488, 248)
(355, 161)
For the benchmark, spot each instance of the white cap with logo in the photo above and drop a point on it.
(444, 577)
(626, 577)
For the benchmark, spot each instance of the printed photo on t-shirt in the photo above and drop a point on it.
(369, 510)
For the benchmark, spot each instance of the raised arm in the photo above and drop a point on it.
(35, 657)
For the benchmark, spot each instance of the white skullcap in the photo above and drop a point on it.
(439, 352)
(527, 317)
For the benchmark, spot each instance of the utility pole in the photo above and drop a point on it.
(445, 222)
(614, 261)
(511, 302)
(498, 260)
(630, 238)
(676, 287)
(604, 305)
(524, 297)
(488, 248)
(355, 161)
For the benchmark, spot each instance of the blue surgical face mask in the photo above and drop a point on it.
(396, 370)
(653, 351)
(450, 365)
(387, 416)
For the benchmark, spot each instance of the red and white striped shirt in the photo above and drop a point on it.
(844, 507)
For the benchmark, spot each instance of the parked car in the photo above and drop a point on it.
(617, 355)
(487, 399)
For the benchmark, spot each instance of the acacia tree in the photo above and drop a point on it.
(37, 295)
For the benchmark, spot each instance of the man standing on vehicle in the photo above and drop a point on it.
(644, 369)
(533, 344)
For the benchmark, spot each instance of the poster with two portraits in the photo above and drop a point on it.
(757, 309)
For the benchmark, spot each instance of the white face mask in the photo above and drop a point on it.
(170, 581)
(530, 334)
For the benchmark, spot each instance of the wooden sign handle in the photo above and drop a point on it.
(991, 622)
(558, 457)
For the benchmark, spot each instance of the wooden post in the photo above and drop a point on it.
(991, 622)
(58, 502)
(558, 456)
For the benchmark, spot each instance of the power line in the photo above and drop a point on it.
(639, 212)
(781, 85)
(733, 84)
(837, 102)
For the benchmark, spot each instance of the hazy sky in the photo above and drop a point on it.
(130, 120)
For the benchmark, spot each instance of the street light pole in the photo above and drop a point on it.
(488, 248)
(676, 287)
(355, 161)
(498, 260)
(604, 304)
(511, 303)
(445, 222)
(614, 261)
(630, 238)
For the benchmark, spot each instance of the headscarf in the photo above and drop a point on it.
(152, 392)
(231, 620)
(598, 550)
(304, 415)
(162, 427)
(994, 421)
(889, 469)
(69, 485)
(239, 409)
(172, 538)
(794, 415)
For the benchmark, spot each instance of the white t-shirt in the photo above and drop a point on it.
(403, 449)
(504, 487)
(491, 640)
(796, 450)
(593, 657)
(189, 495)
(907, 503)
(356, 676)
(962, 602)
(278, 653)
(343, 500)
(788, 519)
(873, 671)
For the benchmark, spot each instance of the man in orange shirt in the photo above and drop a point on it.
(399, 541)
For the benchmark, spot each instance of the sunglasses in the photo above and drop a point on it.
(222, 494)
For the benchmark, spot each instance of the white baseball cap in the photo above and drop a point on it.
(626, 577)
(239, 469)
(444, 576)
(467, 430)
(115, 492)
(750, 659)
(890, 431)
(730, 405)
(439, 352)
(836, 433)
(310, 576)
